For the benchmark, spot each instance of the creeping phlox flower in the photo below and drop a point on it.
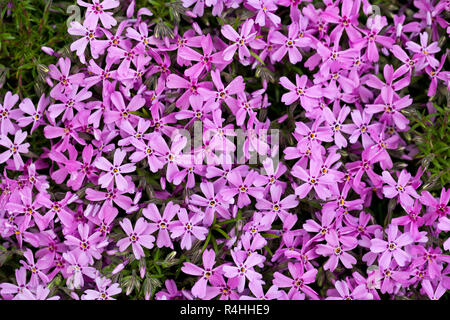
(190, 157)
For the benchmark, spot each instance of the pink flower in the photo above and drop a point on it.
(7, 113)
(298, 284)
(347, 293)
(313, 180)
(96, 11)
(138, 237)
(391, 108)
(289, 44)
(400, 188)
(242, 187)
(161, 223)
(203, 61)
(114, 171)
(34, 114)
(307, 96)
(87, 245)
(243, 268)
(14, 148)
(187, 227)
(336, 250)
(240, 40)
(424, 51)
(208, 273)
(104, 291)
(391, 248)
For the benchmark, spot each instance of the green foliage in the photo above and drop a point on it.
(431, 134)
(25, 27)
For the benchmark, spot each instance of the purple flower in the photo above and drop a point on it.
(88, 245)
(400, 188)
(298, 284)
(424, 51)
(105, 290)
(65, 81)
(392, 247)
(14, 148)
(313, 180)
(391, 108)
(138, 237)
(243, 188)
(207, 274)
(161, 223)
(240, 40)
(35, 115)
(289, 44)
(96, 11)
(307, 96)
(336, 250)
(243, 268)
(347, 293)
(7, 113)
(187, 227)
(203, 61)
(114, 171)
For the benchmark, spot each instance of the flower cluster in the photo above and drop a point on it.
(307, 89)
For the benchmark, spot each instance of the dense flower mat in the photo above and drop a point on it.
(228, 149)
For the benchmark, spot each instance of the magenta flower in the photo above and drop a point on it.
(266, 9)
(240, 40)
(243, 188)
(347, 293)
(257, 290)
(243, 268)
(289, 44)
(298, 284)
(307, 96)
(88, 245)
(161, 223)
(212, 201)
(392, 247)
(337, 125)
(88, 36)
(222, 93)
(38, 269)
(138, 237)
(187, 227)
(313, 180)
(436, 208)
(105, 290)
(38, 293)
(400, 188)
(21, 280)
(391, 108)
(114, 171)
(336, 250)
(14, 148)
(78, 265)
(122, 113)
(203, 61)
(207, 274)
(424, 51)
(346, 21)
(276, 205)
(96, 11)
(7, 113)
(372, 37)
(35, 115)
(65, 81)
(433, 294)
